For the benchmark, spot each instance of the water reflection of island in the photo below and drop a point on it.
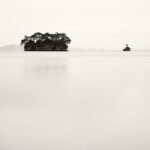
(46, 70)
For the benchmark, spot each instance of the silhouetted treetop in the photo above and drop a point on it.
(46, 42)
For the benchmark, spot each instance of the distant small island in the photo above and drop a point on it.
(46, 42)
(127, 49)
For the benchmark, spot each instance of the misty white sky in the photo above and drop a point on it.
(107, 24)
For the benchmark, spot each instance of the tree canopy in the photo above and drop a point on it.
(46, 42)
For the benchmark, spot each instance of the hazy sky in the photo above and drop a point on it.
(105, 24)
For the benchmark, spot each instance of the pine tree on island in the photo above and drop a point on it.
(46, 42)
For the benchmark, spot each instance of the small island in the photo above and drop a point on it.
(127, 49)
(46, 42)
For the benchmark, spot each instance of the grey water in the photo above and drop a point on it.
(75, 101)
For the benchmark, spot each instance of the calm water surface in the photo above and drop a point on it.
(75, 101)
